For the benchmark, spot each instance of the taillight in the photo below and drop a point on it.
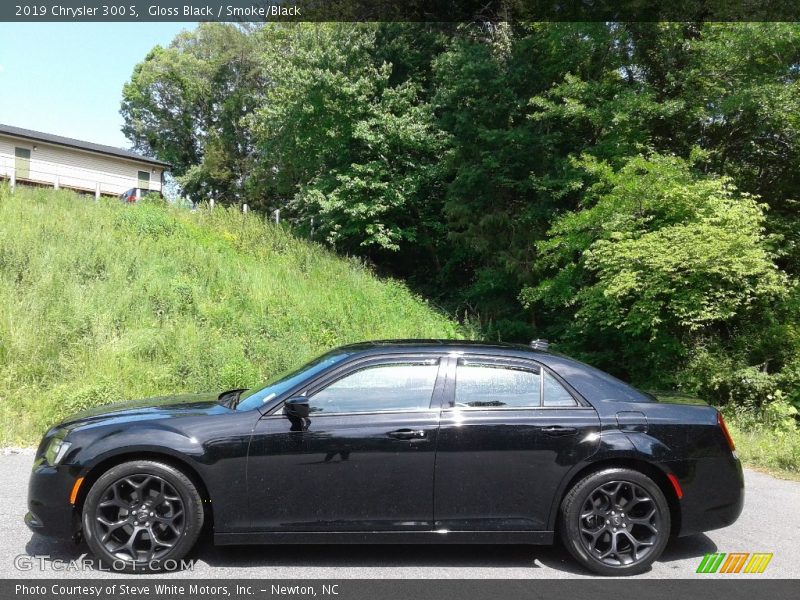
(721, 422)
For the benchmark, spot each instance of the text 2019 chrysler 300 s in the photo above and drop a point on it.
(394, 442)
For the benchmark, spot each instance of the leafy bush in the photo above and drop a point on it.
(776, 415)
(724, 379)
(768, 437)
(659, 254)
(789, 381)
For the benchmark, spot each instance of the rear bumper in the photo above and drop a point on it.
(713, 493)
(49, 511)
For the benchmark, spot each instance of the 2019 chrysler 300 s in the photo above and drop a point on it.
(394, 442)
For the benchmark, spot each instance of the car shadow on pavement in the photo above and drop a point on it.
(692, 546)
(445, 555)
(366, 555)
(55, 549)
(359, 556)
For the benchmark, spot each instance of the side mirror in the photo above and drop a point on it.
(296, 408)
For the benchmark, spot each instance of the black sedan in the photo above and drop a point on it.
(394, 442)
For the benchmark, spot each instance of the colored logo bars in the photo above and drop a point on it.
(736, 562)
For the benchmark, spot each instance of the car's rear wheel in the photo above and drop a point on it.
(142, 516)
(615, 521)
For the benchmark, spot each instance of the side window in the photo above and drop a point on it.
(396, 386)
(555, 394)
(481, 385)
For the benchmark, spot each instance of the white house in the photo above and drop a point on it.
(34, 158)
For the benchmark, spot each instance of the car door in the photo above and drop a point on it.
(510, 431)
(362, 460)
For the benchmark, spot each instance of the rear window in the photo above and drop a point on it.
(481, 385)
(594, 384)
(554, 393)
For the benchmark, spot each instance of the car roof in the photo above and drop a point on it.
(443, 345)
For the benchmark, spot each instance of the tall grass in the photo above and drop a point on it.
(775, 451)
(103, 301)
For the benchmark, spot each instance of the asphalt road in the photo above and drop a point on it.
(770, 523)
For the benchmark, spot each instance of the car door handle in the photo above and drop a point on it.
(407, 434)
(559, 430)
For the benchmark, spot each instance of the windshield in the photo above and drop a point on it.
(254, 398)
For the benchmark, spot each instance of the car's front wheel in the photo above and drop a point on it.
(615, 521)
(142, 516)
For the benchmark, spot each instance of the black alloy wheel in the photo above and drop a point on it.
(139, 515)
(619, 523)
(140, 518)
(615, 522)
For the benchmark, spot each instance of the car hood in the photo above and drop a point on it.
(146, 408)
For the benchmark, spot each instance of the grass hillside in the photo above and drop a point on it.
(103, 301)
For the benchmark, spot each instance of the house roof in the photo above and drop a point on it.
(79, 144)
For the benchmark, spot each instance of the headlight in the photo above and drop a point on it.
(56, 450)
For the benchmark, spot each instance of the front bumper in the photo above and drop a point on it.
(49, 511)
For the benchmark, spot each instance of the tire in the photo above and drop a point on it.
(142, 515)
(615, 522)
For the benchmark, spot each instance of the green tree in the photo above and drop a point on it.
(338, 142)
(185, 105)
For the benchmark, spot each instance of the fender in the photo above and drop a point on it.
(184, 449)
(129, 441)
(614, 445)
